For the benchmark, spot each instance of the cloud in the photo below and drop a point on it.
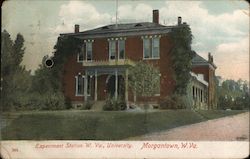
(82, 13)
(225, 35)
(204, 25)
(232, 59)
(140, 12)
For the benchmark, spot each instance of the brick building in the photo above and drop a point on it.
(101, 67)
(207, 70)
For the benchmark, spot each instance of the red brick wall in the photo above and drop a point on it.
(134, 48)
(202, 70)
(100, 49)
(101, 94)
(71, 69)
(133, 51)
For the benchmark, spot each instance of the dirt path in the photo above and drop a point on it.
(232, 128)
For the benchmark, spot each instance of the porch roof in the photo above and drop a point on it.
(105, 70)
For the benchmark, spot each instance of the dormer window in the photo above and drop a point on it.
(105, 27)
(138, 25)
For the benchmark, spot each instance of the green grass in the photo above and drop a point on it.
(87, 125)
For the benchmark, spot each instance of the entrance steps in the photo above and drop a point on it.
(98, 105)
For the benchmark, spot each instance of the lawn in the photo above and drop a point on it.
(87, 125)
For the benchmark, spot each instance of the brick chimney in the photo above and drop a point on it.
(156, 16)
(77, 26)
(179, 20)
(210, 57)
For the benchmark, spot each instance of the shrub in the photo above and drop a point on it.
(22, 102)
(87, 105)
(112, 104)
(121, 104)
(45, 101)
(37, 101)
(53, 101)
(172, 102)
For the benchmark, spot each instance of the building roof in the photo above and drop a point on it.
(198, 61)
(129, 29)
(199, 78)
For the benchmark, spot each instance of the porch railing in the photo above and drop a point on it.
(116, 62)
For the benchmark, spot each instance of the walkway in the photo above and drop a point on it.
(231, 128)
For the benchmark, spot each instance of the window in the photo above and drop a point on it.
(151, 48)
(80, 55)
(155, 47)
(117, 46)
(146, 48)
(121, 46)
(112, 50)
(80, 85)
(89, 51)
(85, 53)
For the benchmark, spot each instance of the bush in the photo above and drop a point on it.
(225, 103)
(121, 104)
(22, 102)
(87, 105)
(172, 102)
(113, 105)
(46, 101)
(53, 101)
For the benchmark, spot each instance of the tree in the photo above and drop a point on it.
(15, 80)
(144, 79)
(7, 61)
(233, 94)
(18, 50)
(181, 56)
(47, 82)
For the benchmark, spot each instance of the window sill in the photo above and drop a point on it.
(151, 58)
(81, 95)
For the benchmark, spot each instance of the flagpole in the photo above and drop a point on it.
(116, 14)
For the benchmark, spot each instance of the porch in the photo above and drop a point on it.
(103, 81)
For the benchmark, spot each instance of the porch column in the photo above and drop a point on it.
(126, 85)
(116, 84)
(95, 85)
(86, 86)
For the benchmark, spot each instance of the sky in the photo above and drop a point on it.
(220, 27)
